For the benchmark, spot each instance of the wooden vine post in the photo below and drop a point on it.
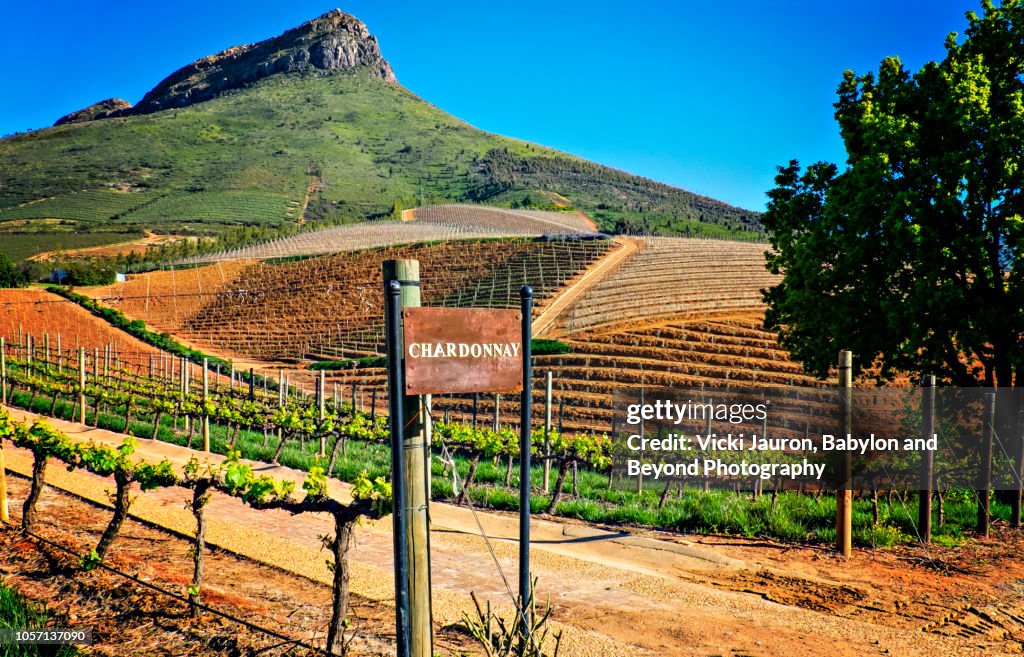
(844, 494)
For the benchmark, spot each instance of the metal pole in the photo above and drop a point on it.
(320, 394)
(844, 495)
(206, 397)
(81, 385)
(924, 505)
(525, 420)
(985, 480)
(547, 431)
(252, 386)
(420, 639)
(1016, 502)
(392, 292)
(3, 372)
(4, 515)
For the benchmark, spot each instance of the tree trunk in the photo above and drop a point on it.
(200, 496)
(343, 526)
(508, 471)
(874, 505)
(53, 404)
(664, 494)
(128, 416)
(563, 469)
(156, 424)
(334, 455)
(280, 448)
(469, 480)
(28, 511)
(575, 485)
(122, 501)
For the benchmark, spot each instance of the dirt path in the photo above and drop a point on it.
(626, 594)
(592, 277)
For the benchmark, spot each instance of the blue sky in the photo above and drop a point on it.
(708, 96)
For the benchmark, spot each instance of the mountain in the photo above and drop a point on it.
(307, 127)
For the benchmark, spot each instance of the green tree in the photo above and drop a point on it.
(9, 274)
(911, 255)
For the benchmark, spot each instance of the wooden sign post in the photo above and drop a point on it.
(435, 351)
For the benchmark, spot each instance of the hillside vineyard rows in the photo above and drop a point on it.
(332, 305)
(429, 224)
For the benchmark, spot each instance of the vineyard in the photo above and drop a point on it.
(58, 326)
(92, 205)
(678, 312)
(428, 224)
(339, 430)
(672, 277)
(330, 306)
(474, 218)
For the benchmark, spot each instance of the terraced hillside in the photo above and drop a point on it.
(427, 224)
(331, 306)
(53, 322)
(478, 218)
(673, 277)
(684, 313)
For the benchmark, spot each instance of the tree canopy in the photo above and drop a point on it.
(910, 255)
(9, 274)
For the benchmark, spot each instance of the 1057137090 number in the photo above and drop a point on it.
(46, 636)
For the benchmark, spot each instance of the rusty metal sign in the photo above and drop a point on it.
(462, 350)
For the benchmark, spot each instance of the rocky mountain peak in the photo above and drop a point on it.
(335, 41)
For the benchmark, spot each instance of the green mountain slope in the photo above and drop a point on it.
(305, 145)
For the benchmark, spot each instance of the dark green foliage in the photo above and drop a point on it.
(619, 201)
(546, 347)
(913, 254)
(88, 272)
(331, 365)
(9, 274)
